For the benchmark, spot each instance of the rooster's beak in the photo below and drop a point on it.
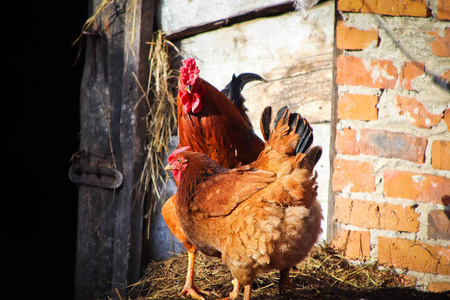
(188, 88)
(168, 167)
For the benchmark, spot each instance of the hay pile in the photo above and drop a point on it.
(323, 275)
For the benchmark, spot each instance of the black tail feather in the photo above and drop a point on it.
(306, 137)
(266, 119)
(245, 78)
(296, 123)
(281, 112)
(233, 89)
(314, 154)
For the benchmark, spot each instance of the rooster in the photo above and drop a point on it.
(215, 123)
(257, 217)
(210, 124)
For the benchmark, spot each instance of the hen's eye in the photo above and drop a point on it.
(179, 160)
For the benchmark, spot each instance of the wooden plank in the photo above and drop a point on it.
(265, 11)
(112, 131)
(178, 15)
(218, 14)
(330, 224)
(307, 92)
(292, 52)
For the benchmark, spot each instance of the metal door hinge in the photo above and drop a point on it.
(96, 171)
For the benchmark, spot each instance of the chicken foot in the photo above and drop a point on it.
(235, 292)
(189, 286)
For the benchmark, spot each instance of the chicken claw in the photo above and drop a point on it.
(194, 292)
(235, 292)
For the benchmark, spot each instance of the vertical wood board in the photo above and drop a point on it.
(112, 126)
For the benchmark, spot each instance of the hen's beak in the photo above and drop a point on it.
(188, 88)
(168, 167)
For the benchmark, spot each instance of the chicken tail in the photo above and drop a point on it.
(290, 154)
(314, 154)
(286, 122)
(234, 87)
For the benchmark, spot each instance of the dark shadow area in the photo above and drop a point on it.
(42, 127)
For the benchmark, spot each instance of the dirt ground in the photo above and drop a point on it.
(323, 275)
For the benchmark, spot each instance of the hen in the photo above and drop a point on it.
(256, 217)
(210, 123)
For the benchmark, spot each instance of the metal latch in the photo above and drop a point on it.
(94, 173)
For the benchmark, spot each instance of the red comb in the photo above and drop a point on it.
(189, 71)
(174, 153)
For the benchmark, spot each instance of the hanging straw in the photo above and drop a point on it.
(161, 121)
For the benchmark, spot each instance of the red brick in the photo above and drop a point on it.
(440, 155)
(358, 107)
(446, 76)
(447, 118)
(359, 176)
(393, 145)
(414, 255)
(441, 45)
(417, 187)
(417, 112)
(414, 8)
(375, 215)
(352, 244)
(346, 141)
(351, 38)
(443, 10)
(439, 287)
(378, 73)
(350, 5)
(439, 224)
(410, 71)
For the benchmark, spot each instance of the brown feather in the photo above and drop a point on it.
(218, 130)
(222, 193)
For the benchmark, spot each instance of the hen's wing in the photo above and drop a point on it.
(221, 193)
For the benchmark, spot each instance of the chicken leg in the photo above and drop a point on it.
(247, 291)
(285, 281)
(189, 286)
(235, 292)
(170, 217)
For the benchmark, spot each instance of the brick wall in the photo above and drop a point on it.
(391, 175)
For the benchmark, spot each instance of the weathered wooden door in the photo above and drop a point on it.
(111, 155)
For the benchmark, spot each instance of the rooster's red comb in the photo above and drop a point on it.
(189, 71)
(174, 153)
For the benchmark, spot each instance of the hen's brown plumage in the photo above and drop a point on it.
(210, 123)
(257, 217)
